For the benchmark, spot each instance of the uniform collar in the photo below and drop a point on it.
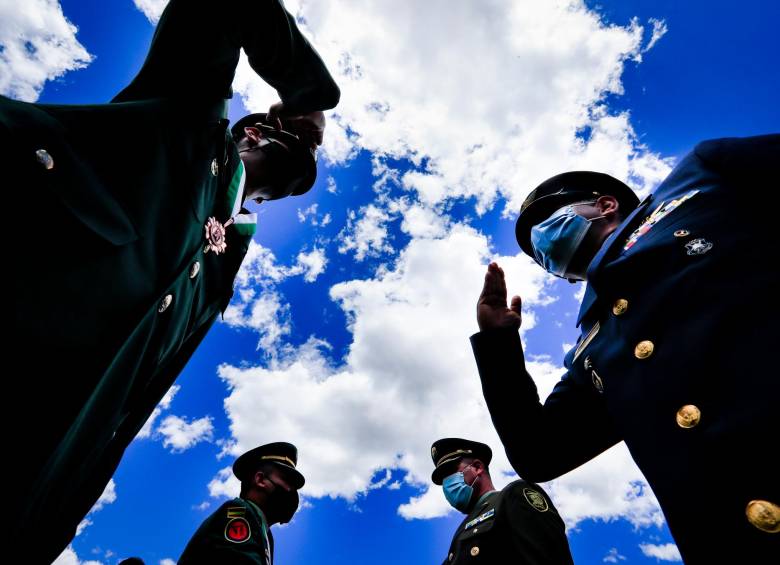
(590, 292)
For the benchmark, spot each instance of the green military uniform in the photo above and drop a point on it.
(236, 534)
(518, 524)
(107, 206)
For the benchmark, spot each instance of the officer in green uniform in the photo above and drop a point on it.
(239, 531)
(517, 524)
(128, 229)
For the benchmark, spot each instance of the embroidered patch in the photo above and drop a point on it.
(535, 499)
(698, 246)
(237, 530)
(479, 519)
(663, 210)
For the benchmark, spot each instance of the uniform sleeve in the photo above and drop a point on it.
(542, 441)
(537, 532)
(196, 47)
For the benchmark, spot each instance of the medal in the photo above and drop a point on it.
(215, 235)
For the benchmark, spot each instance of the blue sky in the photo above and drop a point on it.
(348, 334)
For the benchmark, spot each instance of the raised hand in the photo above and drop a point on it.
(309, 127)
(492, 309)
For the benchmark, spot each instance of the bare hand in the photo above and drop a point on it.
(492, 310)
(308, 127)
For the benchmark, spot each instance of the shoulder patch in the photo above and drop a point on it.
(535, 499)
(237, 530)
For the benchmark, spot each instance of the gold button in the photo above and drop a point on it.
(644, 349)
(620, 306)
(476, 530)
(682, 233)
(214, 167)
(688, 416)
(194, 269)
(44, 159)
(764, 515)
(165, 303)
(474, 551)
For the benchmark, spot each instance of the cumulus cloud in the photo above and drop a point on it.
(257, 305)
(664, 552)
(108, 496)
(165, 403)
(659, 30)
(179, 435)
(519, 96)
(37, 43)
(69, 557)
(488, 116)
(152, 9)
(310, 215)
(613, 556)
(366, 232)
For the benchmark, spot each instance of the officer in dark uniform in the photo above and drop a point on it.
(517, 524)
(129, 228)
(674, 358)
(239, 532)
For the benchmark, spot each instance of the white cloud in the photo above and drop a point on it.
(37, 43)
(665, 552)
(613, 556)
(265, 314)
(409, 368)
(366, 232)
(310, 214)
(225, 484)
(180, 435)
(495, 111)
(659, 30)
(152, 9)
(164, 404)
(69, 557)
(312, 264)
(518, 96)
(167, 562)
(256, 304)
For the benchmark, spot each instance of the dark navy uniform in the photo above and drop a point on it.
(675, 357)
(113, 290)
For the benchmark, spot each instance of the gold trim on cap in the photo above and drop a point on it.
(280, 458)
(458, 452)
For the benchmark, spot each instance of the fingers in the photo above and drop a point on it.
(516, 305)
(494, 288)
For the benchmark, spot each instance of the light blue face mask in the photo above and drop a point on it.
(556, 240)
(457, 492)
